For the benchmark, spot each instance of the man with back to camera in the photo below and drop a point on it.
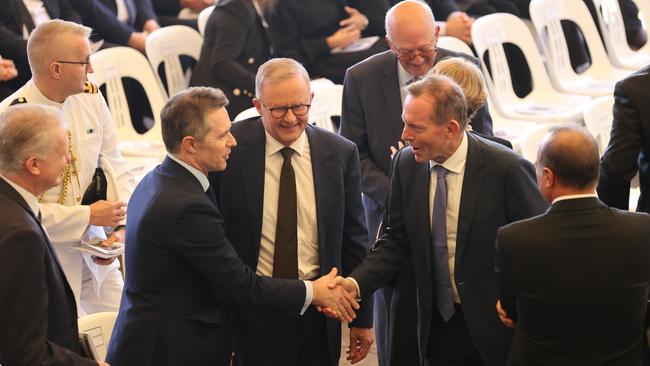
(574, 281)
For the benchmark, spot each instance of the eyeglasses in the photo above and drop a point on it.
(85, 63)
(408, 55)
(279, 112)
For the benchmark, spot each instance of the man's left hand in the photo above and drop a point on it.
(360, 341)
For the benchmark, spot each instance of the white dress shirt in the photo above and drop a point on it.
(308, 258)
(404, 79)
(37, 11)
(456, 166)
(574, 196)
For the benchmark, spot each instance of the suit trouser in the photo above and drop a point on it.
(450, 343)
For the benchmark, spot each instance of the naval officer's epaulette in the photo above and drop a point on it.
(90, 88)
(20, 100)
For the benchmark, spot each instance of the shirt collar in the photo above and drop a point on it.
(273, 146)
(42, 99)
(456, 162)
(574, 196)
(202, 178)
(404, 77)
(32, 201)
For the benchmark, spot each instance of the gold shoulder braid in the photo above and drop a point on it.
(69, 170)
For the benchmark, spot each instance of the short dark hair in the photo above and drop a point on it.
(449, 97)
(185, 115)
(572, 154)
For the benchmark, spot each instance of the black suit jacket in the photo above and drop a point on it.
(372, 117)
(102, 16)
(37, 308)
(13, 17)
(183, 277)
(342, 235)
(498, 188)
(576, 279)
(302, 26)
(629, 147)
(234, 46)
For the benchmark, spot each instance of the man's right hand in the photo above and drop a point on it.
(334, 300)
(107, 213)
(137, 41)
(343, 37)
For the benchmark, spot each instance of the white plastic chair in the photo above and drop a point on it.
(247, 113)
(620, 54)
(110, 66)
(600, 77)
(531, 140)
(166, 45)
(454, 44)
(543, 103)
(99, 326)
(598, 120)
(203, 18)
(327, 101)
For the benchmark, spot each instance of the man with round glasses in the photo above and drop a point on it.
(374, 91)
(291, 203)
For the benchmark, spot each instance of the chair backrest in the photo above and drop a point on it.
(612, 28)
(99, 327)
(531, 140)
(203, 18)
(454, 44)
(598, 120)
(110, 66)
(490, 33)
(247, 113)
(166, 46)
(547, 16)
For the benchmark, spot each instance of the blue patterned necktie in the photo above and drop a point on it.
(442, 279)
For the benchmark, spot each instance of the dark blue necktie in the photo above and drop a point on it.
(442, 280)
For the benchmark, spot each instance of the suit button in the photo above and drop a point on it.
(251, 61)
(245, 92)
(461, 283)
(236, 92)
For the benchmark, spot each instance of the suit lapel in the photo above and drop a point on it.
(390, 87)
(323, 169)
(252, 163)
(420, 201)
(471, 191)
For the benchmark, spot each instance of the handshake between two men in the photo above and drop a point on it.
(336, 297)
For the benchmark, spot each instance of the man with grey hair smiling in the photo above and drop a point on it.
(37, 307)
(450, 192)
(297, 214)
(373, 96)
(59, 56)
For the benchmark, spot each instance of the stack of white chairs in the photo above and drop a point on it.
(612, 28)
(166, 46)
(543, 103)
(600, 76)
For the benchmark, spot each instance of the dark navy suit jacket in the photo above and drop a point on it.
(183, 277)
(342, 235)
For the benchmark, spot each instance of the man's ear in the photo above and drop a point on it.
(258, 105)
(33, 166)
(188, 143)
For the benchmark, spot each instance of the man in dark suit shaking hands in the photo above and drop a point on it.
(295, 225)
(183, 277)
(37, 308)
(450, 191)
(575, 279)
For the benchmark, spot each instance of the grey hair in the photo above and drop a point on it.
(449, 98)
(46, 42)
(26, 130)
(185, 114)
(390, 14)
(278, 69)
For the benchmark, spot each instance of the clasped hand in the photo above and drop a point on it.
(334, 297)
